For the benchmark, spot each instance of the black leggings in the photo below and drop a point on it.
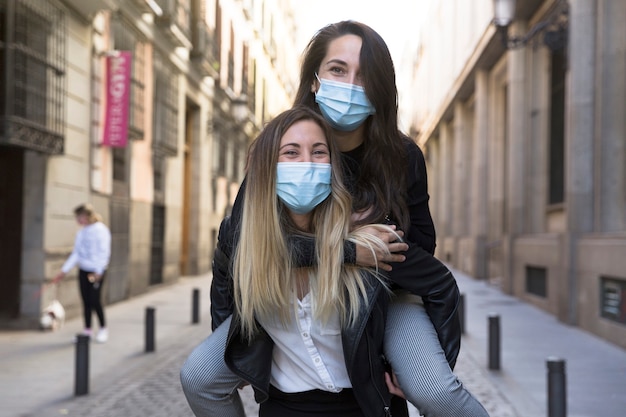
(310, 404)
(90, 293)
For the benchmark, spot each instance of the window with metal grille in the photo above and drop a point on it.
(245, 73)
(220, 149)
(613, 298)
(96, 99)
(183, 16)
(157, 177)
(32, 74)
(157, 244)
(165, 107)
(127, 38)
(231, 60)
(178, 13)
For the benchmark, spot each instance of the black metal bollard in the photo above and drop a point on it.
(81, 381)
(462, 313)
(195, 310)
(150, 329)
(557, 404)
(494, 341)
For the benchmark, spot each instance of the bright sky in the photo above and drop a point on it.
(397, 21)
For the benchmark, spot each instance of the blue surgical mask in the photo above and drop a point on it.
(344, 106)
(302, 185)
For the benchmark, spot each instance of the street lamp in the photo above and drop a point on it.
(239, 108)
(554, 27)
(503, 12)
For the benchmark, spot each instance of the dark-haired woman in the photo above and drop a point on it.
(348, 76)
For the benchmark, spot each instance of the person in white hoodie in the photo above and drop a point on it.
(92, 251)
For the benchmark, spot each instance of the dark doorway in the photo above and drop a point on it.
(11, 209)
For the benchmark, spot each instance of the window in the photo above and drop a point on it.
(231, 60)
(613, 298)
(96, 99)
(119, 164)
(536, 280)
(165, 107)
(32, 73)
(556, 161)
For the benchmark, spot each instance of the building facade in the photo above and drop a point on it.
(524, 133)
(203, 77)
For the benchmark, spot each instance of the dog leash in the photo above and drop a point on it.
(38, 293)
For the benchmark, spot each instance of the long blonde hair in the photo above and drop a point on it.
(264, 270)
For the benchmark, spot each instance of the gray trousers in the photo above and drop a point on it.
(411, 346)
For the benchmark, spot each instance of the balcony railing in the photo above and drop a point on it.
(205, 50)
(176, 21)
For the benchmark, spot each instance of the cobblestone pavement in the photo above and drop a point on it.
(153, 389)
(37, 369)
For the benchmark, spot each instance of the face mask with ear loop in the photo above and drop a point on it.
(302, 185)
(345, 106)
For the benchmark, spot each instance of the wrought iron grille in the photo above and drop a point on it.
(165, 107)
(178, 13)
(96, 99)
(157, 248)
(126, 38)
(32, 72)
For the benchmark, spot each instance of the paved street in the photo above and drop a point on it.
(37, 368)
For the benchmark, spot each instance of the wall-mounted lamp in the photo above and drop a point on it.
(553, 28)
(239, 108)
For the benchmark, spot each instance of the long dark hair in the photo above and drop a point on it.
(381, 184)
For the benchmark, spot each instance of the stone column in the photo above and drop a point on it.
(579, 145)
(433, 163)
(611, 123)
(459, 171)
(517, 119)
(445, 182)
(479, 185)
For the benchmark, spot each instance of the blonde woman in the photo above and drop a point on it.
(308, 340)
(348, 77)
(92, 250)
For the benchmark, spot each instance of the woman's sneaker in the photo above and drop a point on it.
(102, 336)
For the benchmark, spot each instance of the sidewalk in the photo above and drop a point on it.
(37, 368)
(595, 369)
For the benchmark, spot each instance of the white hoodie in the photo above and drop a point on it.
(92, 249)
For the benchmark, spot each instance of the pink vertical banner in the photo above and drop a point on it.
(118, 71)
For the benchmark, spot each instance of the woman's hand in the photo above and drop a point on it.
(93, 277)
(393, 386)
(58, 277)
(366, 257)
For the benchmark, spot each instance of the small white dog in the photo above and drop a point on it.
(53, 317)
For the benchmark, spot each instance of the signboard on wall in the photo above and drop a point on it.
(117, 83)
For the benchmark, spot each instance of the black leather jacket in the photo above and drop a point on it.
(362, 343)
(421, 274)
